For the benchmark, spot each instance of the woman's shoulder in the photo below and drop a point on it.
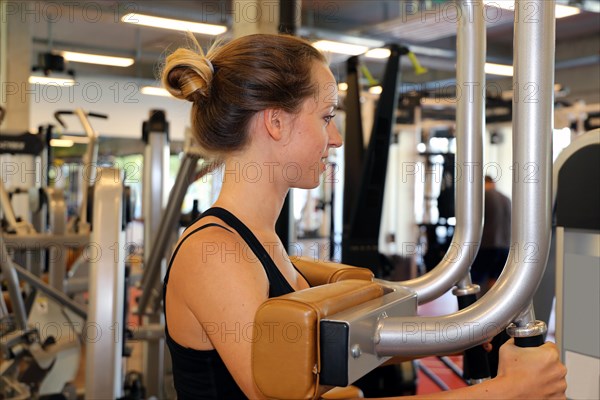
(204, 230)
(211, 243)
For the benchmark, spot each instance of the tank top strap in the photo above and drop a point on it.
(184, 239)
(278, 285)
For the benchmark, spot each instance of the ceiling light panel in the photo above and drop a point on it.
(340, 48)
(173, 24)
(378, 53)
(562, 11)
(97, 59)
(51, 81)
(155, 91)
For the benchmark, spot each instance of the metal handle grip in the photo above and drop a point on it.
(530, 334)
(531, 341)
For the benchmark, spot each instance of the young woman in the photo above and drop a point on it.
(263, 105)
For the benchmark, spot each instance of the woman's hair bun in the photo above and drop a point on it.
(188, 75)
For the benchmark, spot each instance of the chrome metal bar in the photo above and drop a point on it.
(470, 120)
(89, 166)
(50, 291)
(531, 214)
(434, 377)
(3, 307)
(6, 207)
(37, 241)
(10, 274)
(106, 291)
(8, 212)
(151, 280)
(149, 332)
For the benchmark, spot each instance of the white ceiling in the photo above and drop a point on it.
(96, 27)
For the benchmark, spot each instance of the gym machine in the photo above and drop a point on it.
(155, 134)
(32, 366)
(576, 187)
(345, 340)
(76, 280)
(361, 236)
(36, 146)
(51, 366)
(367, 170)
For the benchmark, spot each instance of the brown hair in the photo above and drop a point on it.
(232, 82)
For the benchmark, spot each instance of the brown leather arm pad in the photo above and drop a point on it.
(322, 272)
(348, 392)
(285, 353)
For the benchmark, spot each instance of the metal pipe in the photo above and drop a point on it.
(6, 207)
(451, 366)
(89, 163)
(434, 377)
(51, 292)
(37, 241)
(470, 120)
(10, 274)
(531, 214)
(168, 220)
(8, 212)
(3, 308)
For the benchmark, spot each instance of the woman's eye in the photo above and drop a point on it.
(328, 118)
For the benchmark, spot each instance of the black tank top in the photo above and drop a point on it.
(201, 374)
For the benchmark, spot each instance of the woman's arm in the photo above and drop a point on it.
(223, 284)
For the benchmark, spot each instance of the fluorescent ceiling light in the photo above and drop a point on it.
(498, 69)
(47, 80)
(342, 86)
(97, 59)
(61, 143)
(155, 91)
(560, 10)
(175, 24)
(375, 89)
(340, 48)
(378, 53)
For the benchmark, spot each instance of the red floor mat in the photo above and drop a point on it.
(427, 386)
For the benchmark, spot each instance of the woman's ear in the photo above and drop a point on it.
(272, 118)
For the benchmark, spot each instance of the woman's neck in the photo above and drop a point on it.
(251, 196)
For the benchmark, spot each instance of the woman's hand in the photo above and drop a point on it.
(532, 372)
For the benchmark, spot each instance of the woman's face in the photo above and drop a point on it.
(313, 132)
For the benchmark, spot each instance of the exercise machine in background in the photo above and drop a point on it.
(46, 361)
(576, 186)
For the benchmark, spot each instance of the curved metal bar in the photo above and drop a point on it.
(531, 215)
(470, 114)
(90, 164)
